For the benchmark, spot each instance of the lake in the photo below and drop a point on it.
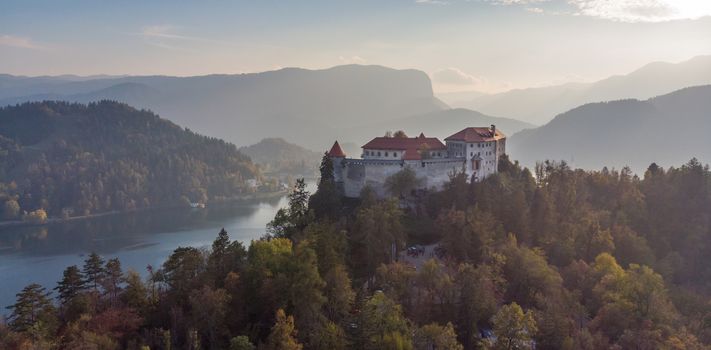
(40, 254)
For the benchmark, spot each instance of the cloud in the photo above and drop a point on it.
(454, 76)
(516, 2)
(643, 10)
(534, 9)
(352, 60)
(19, 42)
(432, 2)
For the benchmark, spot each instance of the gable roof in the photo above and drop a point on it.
(405, 143)
(336, 151)
(474, 134)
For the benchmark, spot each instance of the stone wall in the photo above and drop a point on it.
(355, 174)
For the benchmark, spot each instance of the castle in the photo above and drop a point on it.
(474, 151)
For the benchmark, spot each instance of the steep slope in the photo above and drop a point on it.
(289, 103)
(73, 159)
(278, 156)
(668, 130)
(540, 105)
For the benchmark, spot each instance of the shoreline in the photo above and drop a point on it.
(56, 220)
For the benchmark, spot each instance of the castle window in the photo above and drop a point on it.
(378, 154)
(386, 154)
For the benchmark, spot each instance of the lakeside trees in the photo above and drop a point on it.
(570, 259)
(61, 159)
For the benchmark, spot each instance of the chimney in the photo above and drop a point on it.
(493, 130)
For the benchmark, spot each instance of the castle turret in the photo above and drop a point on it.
(337, 156)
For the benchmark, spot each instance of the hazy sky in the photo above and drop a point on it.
(485, 45)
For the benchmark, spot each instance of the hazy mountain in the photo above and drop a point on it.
(305, 106)
(438, 124)
(460, 97)
(668, 130)
(276, 155)
(540, 105)
(74, 159)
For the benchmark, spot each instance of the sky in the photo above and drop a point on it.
(464, 45)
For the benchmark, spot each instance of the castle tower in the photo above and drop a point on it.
(337, 157)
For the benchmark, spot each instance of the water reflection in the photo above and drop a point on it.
(40, 254)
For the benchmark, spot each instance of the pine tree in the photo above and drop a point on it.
(112, 279)
(93, 271)
(32, 308)
(71, 284)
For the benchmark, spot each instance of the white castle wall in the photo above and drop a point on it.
(355, 174)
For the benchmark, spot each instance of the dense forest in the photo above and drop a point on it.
(62, 159)
(279, 157)
(565, 259)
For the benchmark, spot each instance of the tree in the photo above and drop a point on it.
(93, 271)
(292, 220)
(434, 336)
(112, 280)
(402, 183)
(339, 294)
(33, 312)
(135, 295)
(283, 334)
(513, 328)
(71, 285)
(11, 209)
(477, 300)
(182, 270)
(38, 216)
(209, 309)
(377, 233)
(305, 290)
(330, 337)
(224, 257)
(400, 134)
(241, 342)
(383, 325)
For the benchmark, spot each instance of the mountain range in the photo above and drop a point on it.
(308, 107)
(540, 105)
(668, 130)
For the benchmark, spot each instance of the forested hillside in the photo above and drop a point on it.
(278, 156)
(569, 259)
(72, 159)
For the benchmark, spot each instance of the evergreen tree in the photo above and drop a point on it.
(71, 285)
(112, 280)
(33, 312)
(93, 271)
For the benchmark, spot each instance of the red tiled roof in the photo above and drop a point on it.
(336, 151)
(476, 135)
(405, 143)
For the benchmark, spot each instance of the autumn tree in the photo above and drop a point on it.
(434, 336)
(283, 334)
(513, 328)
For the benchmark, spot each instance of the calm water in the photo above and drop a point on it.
(40, 254)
